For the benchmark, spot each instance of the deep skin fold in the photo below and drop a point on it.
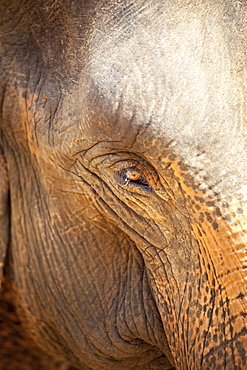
(104, 275)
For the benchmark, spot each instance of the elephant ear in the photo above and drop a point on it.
(4, 211)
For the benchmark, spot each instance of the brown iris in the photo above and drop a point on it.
(133, 175)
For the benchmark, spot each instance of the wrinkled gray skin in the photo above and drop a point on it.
(123, 136)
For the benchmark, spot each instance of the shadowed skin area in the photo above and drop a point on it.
(123, 184)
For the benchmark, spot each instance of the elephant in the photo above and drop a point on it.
(123, 188)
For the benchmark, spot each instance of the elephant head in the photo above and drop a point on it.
(123, 182)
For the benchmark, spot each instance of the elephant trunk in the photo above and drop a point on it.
(203, 303)
(223, 251)
(218, 312)
(212, 313)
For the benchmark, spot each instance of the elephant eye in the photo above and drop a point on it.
(133, 176)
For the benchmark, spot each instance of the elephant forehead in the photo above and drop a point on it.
(170, 71)
(155, 72)
(167, 66)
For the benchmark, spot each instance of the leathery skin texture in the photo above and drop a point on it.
(123, 185)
